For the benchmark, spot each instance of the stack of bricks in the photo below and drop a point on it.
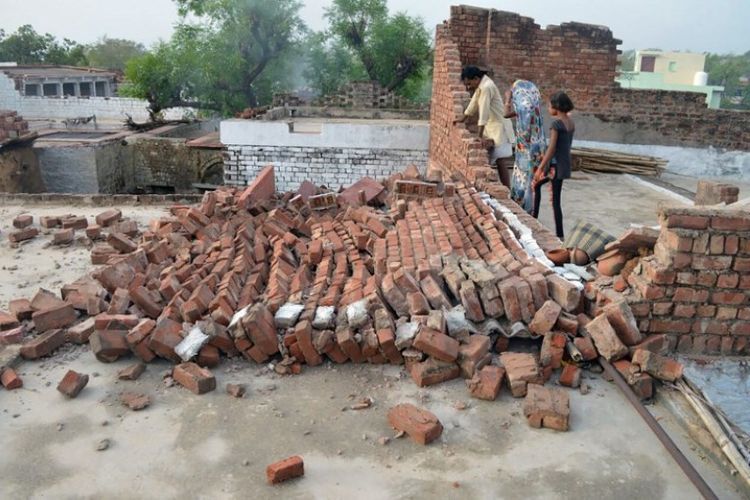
(580, 59)
(266, 277)
(12, 126)
(365, 95)
(695, 288)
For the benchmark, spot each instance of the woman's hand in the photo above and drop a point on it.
(507, 96)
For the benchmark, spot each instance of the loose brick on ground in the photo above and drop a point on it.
(422, 426)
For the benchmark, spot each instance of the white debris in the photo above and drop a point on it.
(325, 317)
(405, 335)
(288, 314)
(356, 313)
(191, 345)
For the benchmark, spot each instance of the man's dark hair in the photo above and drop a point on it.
(470, 72)
(561, 102)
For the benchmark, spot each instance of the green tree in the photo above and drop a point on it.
(234, 54)
(393, 50)
(26, 46)
(329, 64)
(113, 53)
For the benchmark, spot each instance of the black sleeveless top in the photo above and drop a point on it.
(563, 161)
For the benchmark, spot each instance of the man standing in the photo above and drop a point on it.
(495, 130)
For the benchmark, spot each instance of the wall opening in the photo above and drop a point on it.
(101, 89)
(85, 89)
(50, 89)
(31, 89)
(69, 89)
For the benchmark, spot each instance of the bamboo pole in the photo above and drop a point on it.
(719, 434)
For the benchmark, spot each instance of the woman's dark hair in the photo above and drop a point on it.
(561, 102)
(470, 72)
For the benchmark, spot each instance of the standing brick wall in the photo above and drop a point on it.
(333, 167)
(582, 60)
(696, 286)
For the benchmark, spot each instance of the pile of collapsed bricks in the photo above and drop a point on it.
(12, 126)
(687, 283)
(437, 282)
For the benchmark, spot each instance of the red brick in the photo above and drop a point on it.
(422, 426)
(546, 407)
(135, 401)
(286, 469)
(63, 237)
(208, 356)
(552, 351)
(21, 309)
(260, 189)
(470, 300)
(586, 346)
(727, 223)
(142, 297)
(486, 383)
(545, 318)
(164, 338)
(194, 378)
(43, 345)
(23, 235)
(10, 379)
(712, 262)
(728, 298)
(657, 366)
(436, 344)
(608, 344)
(433, 371)
(14, 336)
(73, 383)
(236, 390)
(520, 369)
(132, 372)
(570, 376)
(75, 223)
(303, 332)
(80, 333)
(108, 217)
(654, 343)
(473, 354)
(563, 292)
(109, 345)
(8, 321)
(22, 221)
(687, 221)
(621, 319)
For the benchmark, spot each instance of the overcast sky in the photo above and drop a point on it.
(696, 25)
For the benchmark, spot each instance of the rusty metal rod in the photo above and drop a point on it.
(703, 488)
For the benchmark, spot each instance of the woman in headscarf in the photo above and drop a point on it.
(524, 102)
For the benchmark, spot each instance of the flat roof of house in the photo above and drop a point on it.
(50, 71)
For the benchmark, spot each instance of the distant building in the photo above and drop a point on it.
(681, 71)
(61, 81)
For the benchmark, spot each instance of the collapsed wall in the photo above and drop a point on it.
(582, 60)
(695, 287)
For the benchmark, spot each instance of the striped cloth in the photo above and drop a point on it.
(588, 238)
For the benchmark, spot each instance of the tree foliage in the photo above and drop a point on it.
(363, 39)
(732, 72)
(227, 55)
(26, 46)
(113, 53)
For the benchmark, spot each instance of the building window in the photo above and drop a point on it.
(69, 89)
(85, 89)
(49, 89)
(31, 89)
(101, 89)
(648, 63)
(672, 66)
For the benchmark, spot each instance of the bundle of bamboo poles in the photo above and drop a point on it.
(602, 160)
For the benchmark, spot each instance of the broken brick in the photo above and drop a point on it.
(547, 407)
(194, 378)
(486, 383)
(545, 318)
(132, 372)
(72, 383)
(422, 426)
(10, 379)
(135, 401)
(43, 345)
(657, 365)
(607, 343)
(284, 470)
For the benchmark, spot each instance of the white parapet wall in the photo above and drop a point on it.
(332, 153)
(62, 108)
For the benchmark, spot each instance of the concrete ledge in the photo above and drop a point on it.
(98, 200)
(365, 135)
